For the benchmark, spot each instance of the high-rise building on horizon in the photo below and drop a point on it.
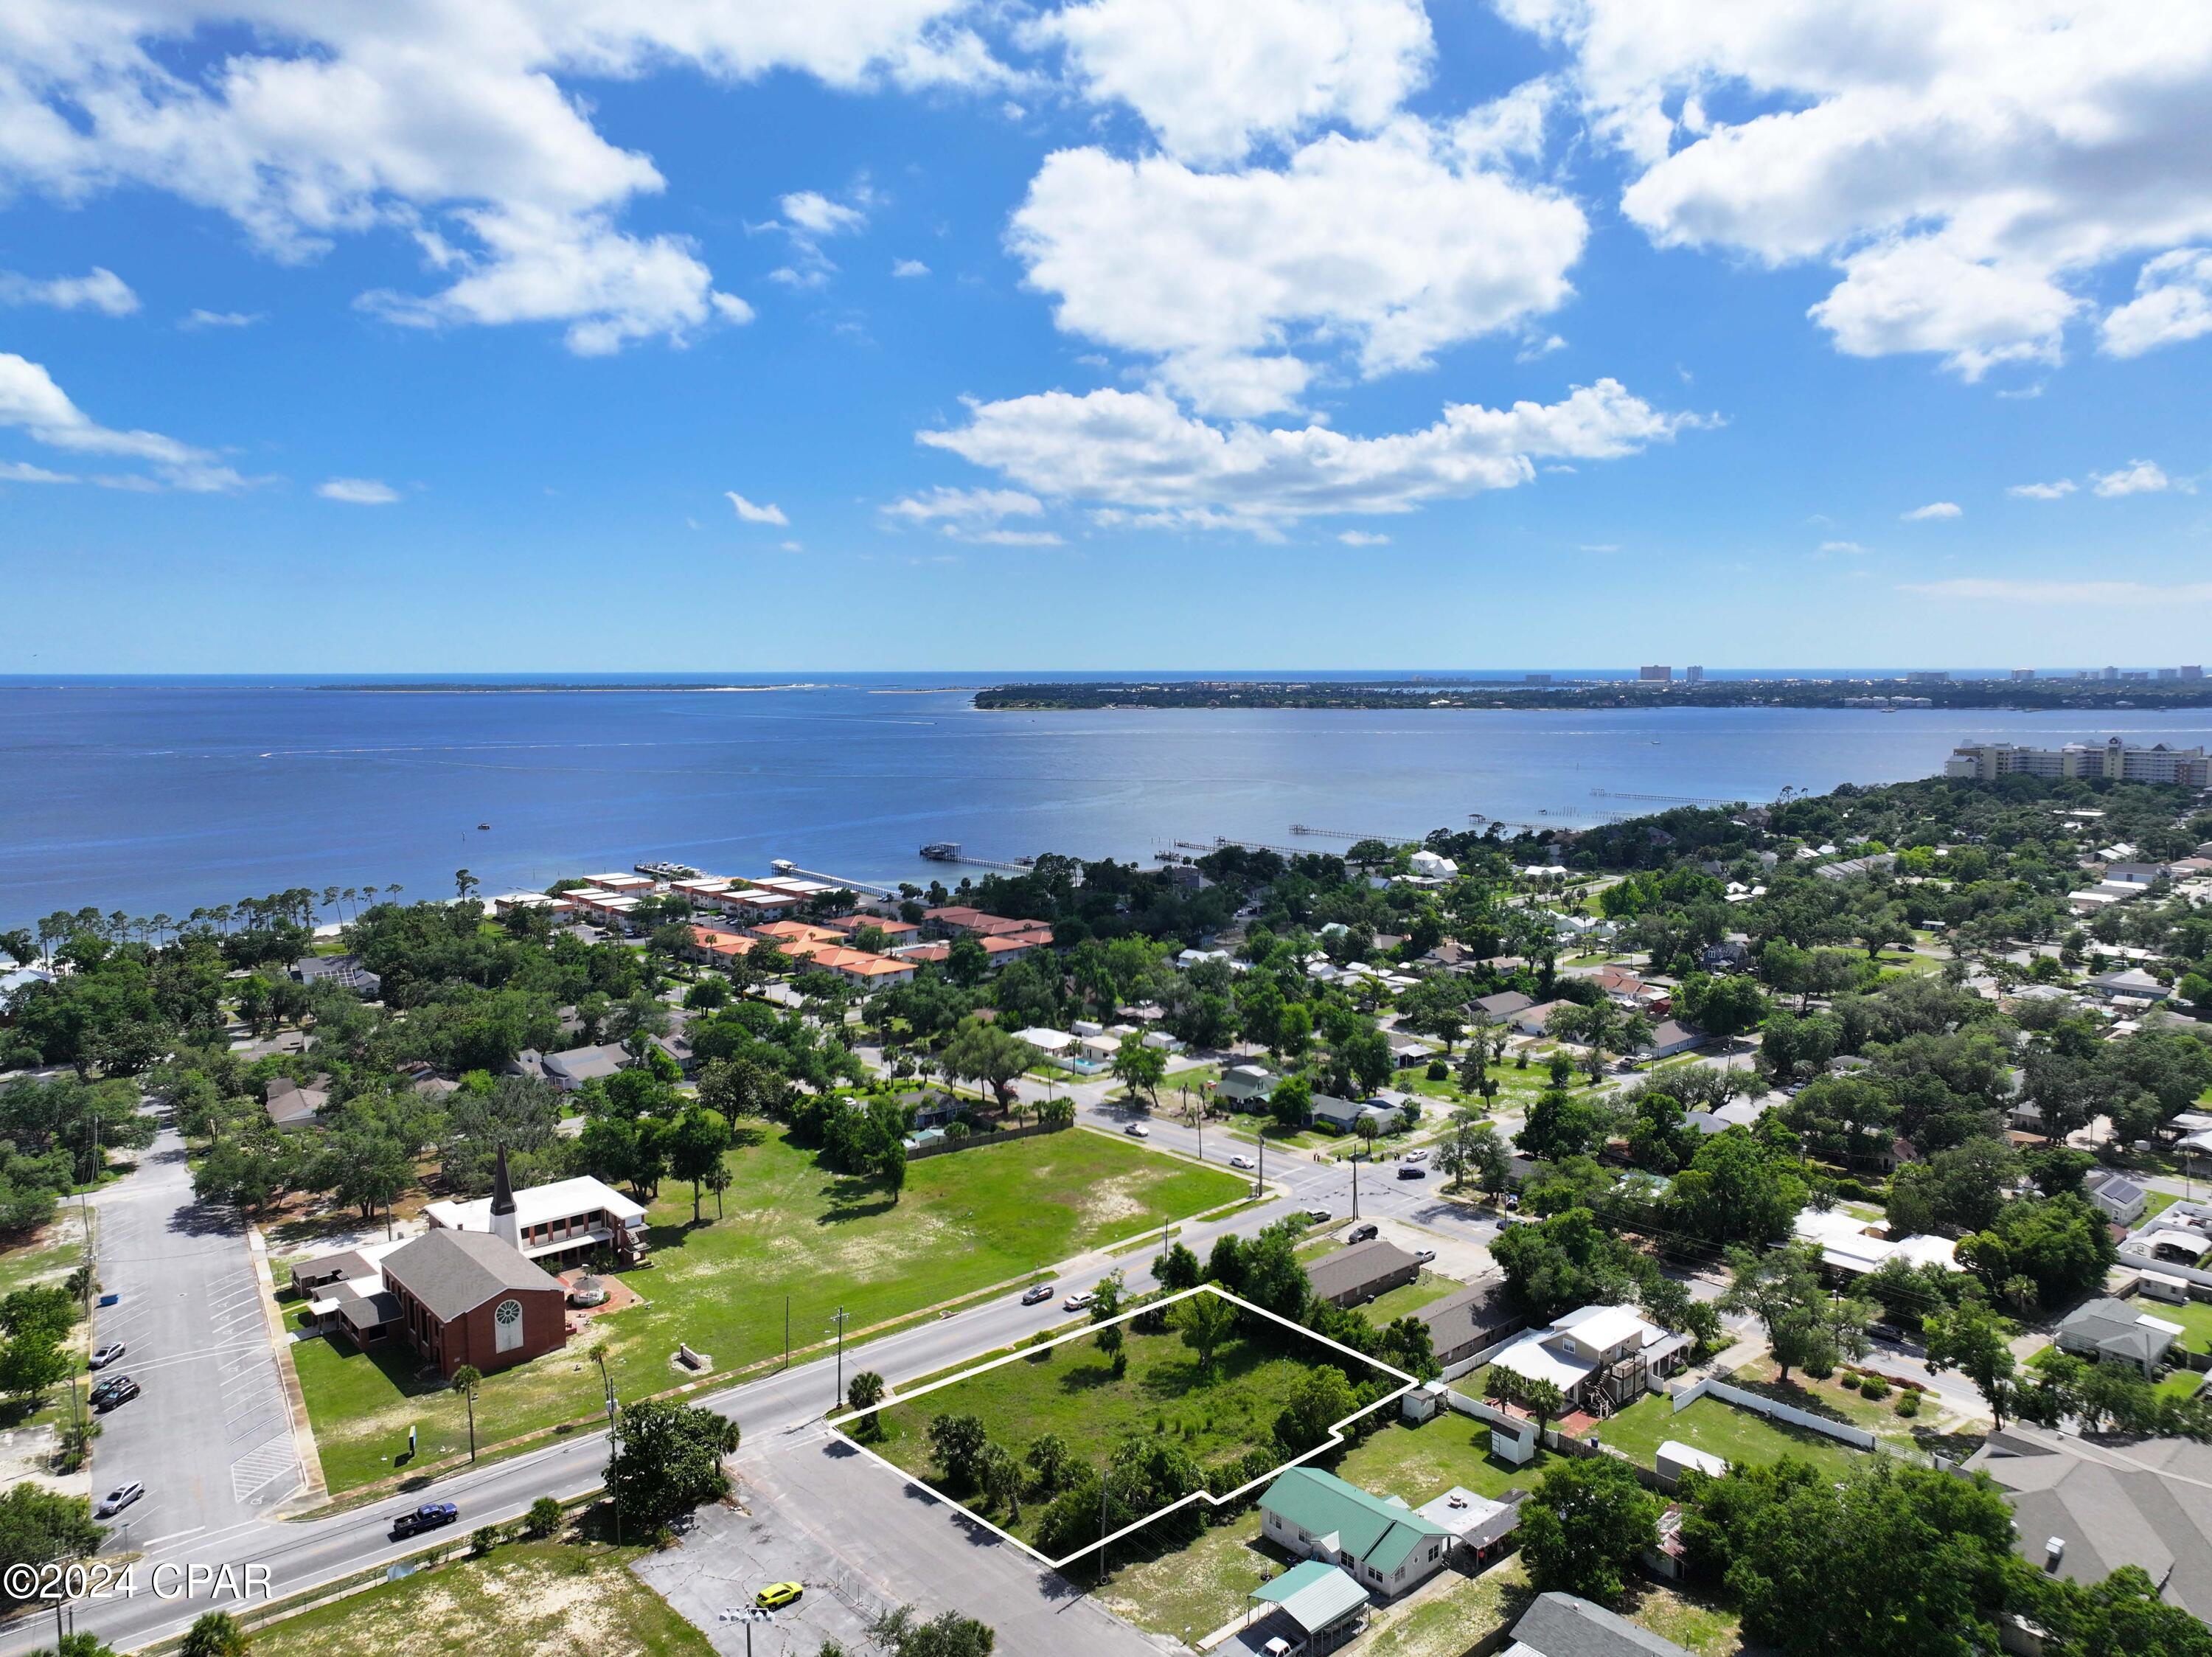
(1656, 675)
(2019, 674)
(1693, 675)
(2113, 757)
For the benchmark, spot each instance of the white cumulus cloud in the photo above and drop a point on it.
(1141, 460)
(459, 123)
(1392, 246)
(2058, 490)
(908, 267)
(1841, 547)
(357, 491)
(1933, 510)
(203, 319)
(2172, 302)
(1211, 78)
(101, 290)
(1363, 538)
(751, 513)
(974, 515)
(30, 402)
(2137, 477)
(1970, 166)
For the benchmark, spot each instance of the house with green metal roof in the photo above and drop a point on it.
(1312, 1607)
(1382, 1544)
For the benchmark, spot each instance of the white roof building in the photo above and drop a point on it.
(1850, 1244)
(549, 1219)
(1045, 1040)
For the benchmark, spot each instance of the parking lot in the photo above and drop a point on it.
(863, 1540)
(209, 1434)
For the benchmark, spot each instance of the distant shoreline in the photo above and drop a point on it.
(1445, 696)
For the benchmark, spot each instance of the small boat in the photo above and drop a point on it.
(481, 828)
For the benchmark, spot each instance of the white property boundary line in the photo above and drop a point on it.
(836, 1423)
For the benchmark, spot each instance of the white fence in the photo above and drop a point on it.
(1858, 1438)
(1468, 1366)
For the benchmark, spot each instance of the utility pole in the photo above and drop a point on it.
(837, 1319)
(613, 1433)
(1259, 1179)
(787, 1331)
(1355, 1185)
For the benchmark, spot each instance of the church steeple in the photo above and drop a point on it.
(504, 1222)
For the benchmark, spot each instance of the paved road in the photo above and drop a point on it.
(304, 1553)
(209, 1435)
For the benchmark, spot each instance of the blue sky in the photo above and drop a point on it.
(1142, 333)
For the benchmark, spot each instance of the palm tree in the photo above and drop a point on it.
(466, 1380)
(865, 1392)
(464, 882)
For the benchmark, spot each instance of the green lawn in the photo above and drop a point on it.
(1409, 1297)
(1838, 1402)
(545, 1600)
(965, 1221)
(1721, 1429)
(2194, 1317)
(2160, 1200)
(1416, 1464)
(1071, 1391)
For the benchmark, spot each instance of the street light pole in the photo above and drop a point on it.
(838, 1320)
(614, 1434)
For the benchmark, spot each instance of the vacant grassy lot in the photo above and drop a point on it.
(50, 1254)
(1839, 1401)
(545, 1600)
(964, 1222)
(1721, 1429)
(1071, 1391)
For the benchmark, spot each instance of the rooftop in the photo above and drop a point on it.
(454, 1272)
(1375, 1530)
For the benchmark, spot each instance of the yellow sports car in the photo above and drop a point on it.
(777, 1595)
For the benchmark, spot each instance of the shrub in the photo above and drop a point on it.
(485, 1538)
(543, 1519)
(1438, 1070)
(1873, 1386)
(1908, 1404)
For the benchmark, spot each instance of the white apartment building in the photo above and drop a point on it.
(2114, 758)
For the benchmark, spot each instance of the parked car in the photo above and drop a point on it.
(1411, 1171)
(430, 1516)
(1361, 1233)
(1036, 1292)
(1077, 1301)
(116, 1389)
(1240, 1161)
(1425, 1255)
(777, 1595)
(107, 1355)
(119, 1498)
(1417, 1156)
(1319, 1216)
(1137, 1130)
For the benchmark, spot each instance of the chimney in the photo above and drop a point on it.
(504, 1223)
(2054, 1553)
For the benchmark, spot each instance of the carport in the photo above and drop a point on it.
(1310, 1608)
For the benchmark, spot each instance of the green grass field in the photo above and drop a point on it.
(53, 1253)
(1721, 1429)
(1071, 1391)
(1416, 1463)
(965, 1221)
(545, 1600)
(2194, 1317)
(1409, 1297)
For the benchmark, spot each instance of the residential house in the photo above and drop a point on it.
(1672, 1037)
(1535, 1020)
(2105, 1329)
(291, 1105)
(2133, 984)
(894, 931)
(571, 1070)
(2117, 1197)
(1850, 867)
(1352, 1275)
(1502, 1007)
(1343, 1114)
(1851, 1247)
(1380, 1542)
(1561, 1625)
(1468, 1319)
(1245, 1087)
(345, 971)
(2081, 1510)
(1600, 1356)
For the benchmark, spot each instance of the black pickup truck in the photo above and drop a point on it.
(427, 1517)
